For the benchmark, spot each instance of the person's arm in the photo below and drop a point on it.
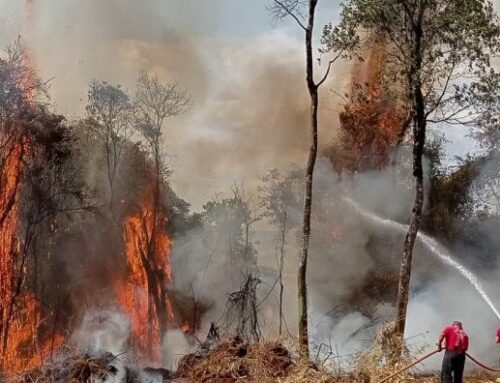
(497, 338)
(466, 345)
(439, 343)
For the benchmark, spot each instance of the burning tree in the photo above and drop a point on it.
(374, 119)
(437, 51)
(38, 185)
(19, 88)
(147, 242)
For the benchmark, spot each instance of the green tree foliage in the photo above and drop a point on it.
(438, 50)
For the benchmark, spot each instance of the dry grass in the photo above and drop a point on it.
(311, 374)
(238, 361)
(381, 360)
(265, 362)
(79, 368)
(271, 362)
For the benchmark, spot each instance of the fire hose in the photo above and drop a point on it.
(428, 355)
(421, 359)
(482, 365)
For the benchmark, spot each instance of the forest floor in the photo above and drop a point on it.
(271, 362)
(230, 362)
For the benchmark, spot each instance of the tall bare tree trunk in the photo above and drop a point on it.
(311, 162)
(109, 174)
(281, 265)
(419, 128)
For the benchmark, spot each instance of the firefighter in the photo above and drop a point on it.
(497, 340)
(456, 343)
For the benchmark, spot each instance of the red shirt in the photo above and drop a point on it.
(498, 332)
(456, 339)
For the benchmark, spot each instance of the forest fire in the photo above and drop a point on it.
(23, 345)
(372, 122)
(26, 350)
(159, 220)
(23, 342)
(142, 292)
(9, 248)
(29, 332)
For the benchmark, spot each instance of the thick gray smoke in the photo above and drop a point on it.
(346, 249)
(249, 103)
(440, 293)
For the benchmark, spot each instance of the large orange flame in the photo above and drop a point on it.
(20, 312)
(25, 349)
(142, 293)
(9, 245)
(21, 345)
(372, 119)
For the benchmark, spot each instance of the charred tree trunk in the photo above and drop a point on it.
(419, 130)
(242, 308)
(311, 162)
(157, 308)
(157, 280)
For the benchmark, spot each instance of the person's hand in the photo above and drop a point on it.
(439, 347)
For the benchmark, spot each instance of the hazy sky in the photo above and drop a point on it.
(245, 75)
(85, 39)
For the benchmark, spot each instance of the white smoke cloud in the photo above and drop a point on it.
(174, 346)
(103, 331)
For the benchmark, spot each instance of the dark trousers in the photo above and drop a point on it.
(453, 367)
